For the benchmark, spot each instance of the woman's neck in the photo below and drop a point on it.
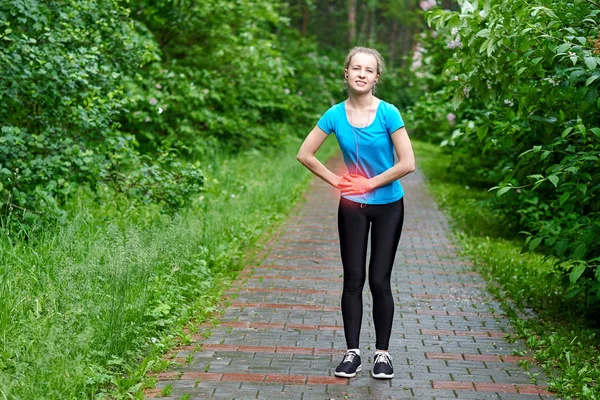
(361, 102)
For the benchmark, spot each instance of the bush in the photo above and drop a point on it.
(235, 76)
(61, 89)
(524, 80)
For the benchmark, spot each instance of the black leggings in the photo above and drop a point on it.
(354, 222)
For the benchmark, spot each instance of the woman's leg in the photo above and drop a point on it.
(353, 226)
(386, 227)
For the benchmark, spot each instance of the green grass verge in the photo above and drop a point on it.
(563, 342)
(88, 307)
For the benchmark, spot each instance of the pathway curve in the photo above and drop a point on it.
(281, 334)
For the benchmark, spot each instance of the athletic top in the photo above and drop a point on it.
(371, 145)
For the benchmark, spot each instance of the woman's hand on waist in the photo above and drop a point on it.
(353, 184)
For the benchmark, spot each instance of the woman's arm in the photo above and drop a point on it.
(306, 155)
(405, 165)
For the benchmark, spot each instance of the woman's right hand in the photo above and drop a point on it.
(339, 182)
(354, 184)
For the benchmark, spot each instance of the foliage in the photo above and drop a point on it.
(563, 341)
(221, 75)
(61, 94)
(227, 75)
(523, 79)
(103, 83)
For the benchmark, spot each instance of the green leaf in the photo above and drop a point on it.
(573, 291)
(536, 60)
(591, 79)
(595, 131)
(577, 272)
(503, 190)
(467, 7)
(579, 251)
(484, 45)
(482, 131)
(566, 132)
(591, 62)
(483, 33)
(535, 243)
(563, 48)
(491, 47)
(565, 196)
(554, 179)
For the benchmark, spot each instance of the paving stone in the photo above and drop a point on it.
(281, 335)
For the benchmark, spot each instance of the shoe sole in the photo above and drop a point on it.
(382, 376)
(345, 375)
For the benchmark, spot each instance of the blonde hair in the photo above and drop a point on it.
(365, 50)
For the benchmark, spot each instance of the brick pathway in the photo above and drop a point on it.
(281, 335)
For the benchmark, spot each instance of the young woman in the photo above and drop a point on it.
(369, 132)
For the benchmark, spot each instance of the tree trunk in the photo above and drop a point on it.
(392, 45)
(304, 26)
(408, 33)
(408, 42)
(369, 25)
(351, 21)
(447, 4)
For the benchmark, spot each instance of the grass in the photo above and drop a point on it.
(532, 292)
(88, 307)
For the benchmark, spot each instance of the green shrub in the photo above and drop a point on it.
(563, 340)
(524, 79)
(232, 76)
(61, 94)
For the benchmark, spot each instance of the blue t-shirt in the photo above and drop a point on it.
(368, 151)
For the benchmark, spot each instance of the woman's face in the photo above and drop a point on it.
(361, 73)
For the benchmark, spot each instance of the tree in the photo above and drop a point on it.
(351, 21)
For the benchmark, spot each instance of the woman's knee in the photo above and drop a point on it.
(380, 286)
(354, 283)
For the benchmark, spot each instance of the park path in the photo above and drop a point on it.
(281, 333)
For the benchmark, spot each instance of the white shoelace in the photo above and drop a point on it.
(384, 358)
(349, 357)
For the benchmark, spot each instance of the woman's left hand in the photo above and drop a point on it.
(352, 184)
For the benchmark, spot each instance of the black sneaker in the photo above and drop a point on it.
(349, 366)
(382, 366)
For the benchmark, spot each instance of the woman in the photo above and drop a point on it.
(369, 132)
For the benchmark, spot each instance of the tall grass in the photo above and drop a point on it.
(564, 341)
(83, 302)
